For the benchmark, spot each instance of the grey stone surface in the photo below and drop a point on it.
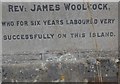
(53, 59)
(56, 43)
(78, 70)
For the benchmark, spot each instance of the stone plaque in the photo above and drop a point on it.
(59, 42)
(59, 26)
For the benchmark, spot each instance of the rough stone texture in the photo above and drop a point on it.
(118, 73)
(68, 67)
(72, 65)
